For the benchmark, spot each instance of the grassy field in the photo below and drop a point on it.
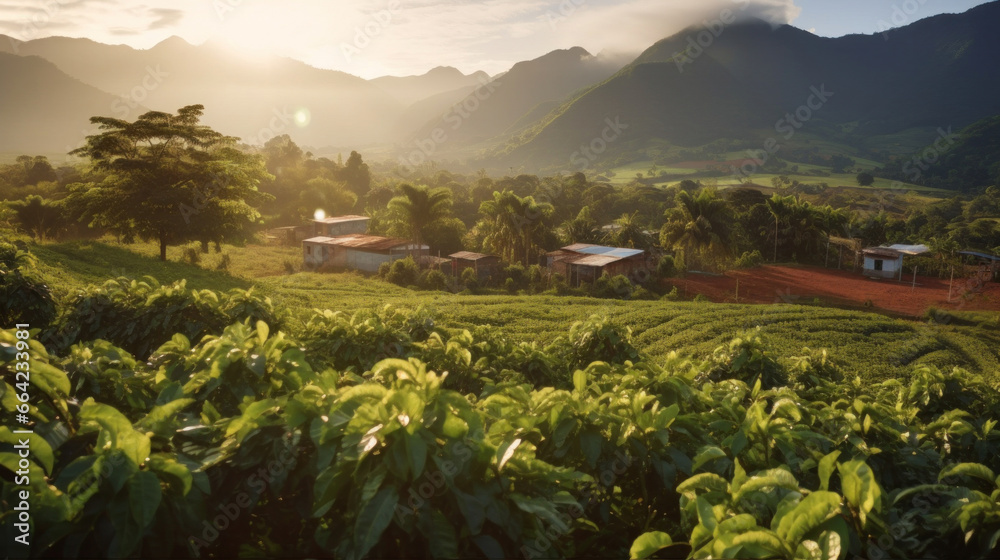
(871, 345)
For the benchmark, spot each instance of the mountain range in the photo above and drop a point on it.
(745, 84)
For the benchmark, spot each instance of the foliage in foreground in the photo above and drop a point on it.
(252, 442)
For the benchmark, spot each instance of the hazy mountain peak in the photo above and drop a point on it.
(172, 43)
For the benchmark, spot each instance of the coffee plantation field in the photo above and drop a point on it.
(220, 415)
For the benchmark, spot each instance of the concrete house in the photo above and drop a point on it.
(585, 263)
(887, 262)
(358, 252)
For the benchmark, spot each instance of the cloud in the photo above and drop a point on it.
(489, 35)
(165, 18)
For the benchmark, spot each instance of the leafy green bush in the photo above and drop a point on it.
(140, 316)
(434, 280)
(613, 287)
(401, 272)
(749, 259)
(666, 268)
(25, 296)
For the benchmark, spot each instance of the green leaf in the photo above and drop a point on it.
(579, 381)
(826, 465)
(374, 518)
(764, 539)
(179, 476)
(440, 534)
(860, 488)
(974, 470)
(508, 452)
(38, 446)
(649, 543)
(416, 449)
(707, 454)
(590, 445)
(704, 481)
(814, 510)
(144, 496)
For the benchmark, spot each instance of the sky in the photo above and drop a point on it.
(370, 38)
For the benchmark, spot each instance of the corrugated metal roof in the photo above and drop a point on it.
(339, 219)
(365, 242)
(911, 249)
(597, 261)
(588, 249)
(470, 256)
(882, 252)
(986, 256)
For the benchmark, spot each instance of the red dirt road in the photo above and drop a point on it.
(783, 284)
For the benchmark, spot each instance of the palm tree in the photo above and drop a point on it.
(417, 208)
(780, 208)
(513, 226)
(628, 232)
(701, 224)
(582, 229)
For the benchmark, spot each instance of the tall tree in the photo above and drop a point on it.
(629, 232)
(700, 226)
(582, 229)
(39, 217)
(514, 227)
(169, 178)
(417, 208)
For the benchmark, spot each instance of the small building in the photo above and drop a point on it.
(289, 236)
(585, 263)
(358, 252)
(882, 262)
(485, 266)
(887, 262)
(340, 225)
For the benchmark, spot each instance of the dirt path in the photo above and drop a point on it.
(786, 284)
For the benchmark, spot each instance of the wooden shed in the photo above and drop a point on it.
(486, 266)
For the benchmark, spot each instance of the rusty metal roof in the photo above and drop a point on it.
(364, 242)
(882, 252)
(340, 219)
(470, 256)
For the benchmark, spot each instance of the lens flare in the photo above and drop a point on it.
(320, 214)
(302, 118)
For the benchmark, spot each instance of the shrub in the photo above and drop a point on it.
(224, 262)
(291, 266)
(667, 267)
(613, 287)
(672, 295)
(192, 256)
(470, 279)
(702, 298)
(434, 280)
(750, 259)
(26, 298)
(403, 272)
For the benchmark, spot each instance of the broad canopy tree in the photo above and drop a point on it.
(169, 178)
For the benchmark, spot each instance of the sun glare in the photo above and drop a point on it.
(320, 214)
